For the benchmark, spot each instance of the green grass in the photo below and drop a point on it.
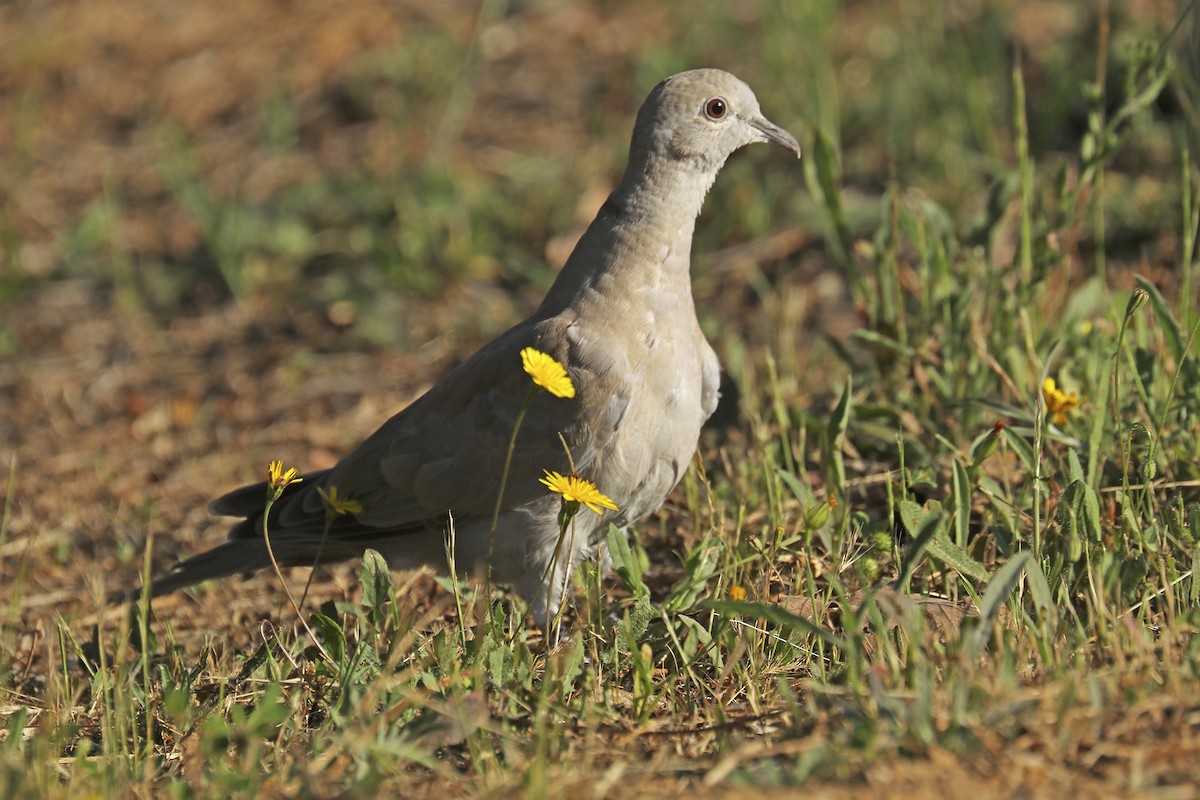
(987, 239)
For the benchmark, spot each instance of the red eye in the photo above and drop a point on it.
(715, 108)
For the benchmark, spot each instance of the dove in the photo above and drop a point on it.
(619, 317)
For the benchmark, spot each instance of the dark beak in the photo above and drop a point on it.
(773, 133)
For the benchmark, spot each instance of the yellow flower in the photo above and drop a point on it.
(1058, 402)
(278, 479)
(547, 373)
(336, 506)
(575, 489)
(737, 593)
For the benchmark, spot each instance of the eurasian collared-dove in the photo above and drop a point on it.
(619, 316)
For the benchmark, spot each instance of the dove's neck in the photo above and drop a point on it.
(640, 239)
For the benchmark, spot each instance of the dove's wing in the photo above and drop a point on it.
(447, 451)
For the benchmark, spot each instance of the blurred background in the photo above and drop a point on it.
(238, 231)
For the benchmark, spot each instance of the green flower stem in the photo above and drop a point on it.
(276, 492)
(329, 516)
(566, 516)
(512, 446)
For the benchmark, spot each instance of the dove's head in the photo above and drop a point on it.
(703, 116)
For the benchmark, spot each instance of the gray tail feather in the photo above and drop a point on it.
(294, 545)
(239, 556)
(246, 554)
(248, 501)
(243, 555)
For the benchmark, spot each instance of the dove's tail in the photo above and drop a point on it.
(240, 555)
(230, 558)
(245, 551)
(299, 539)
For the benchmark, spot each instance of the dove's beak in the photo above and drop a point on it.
(773, 133)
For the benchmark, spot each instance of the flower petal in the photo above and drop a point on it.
(547, 373)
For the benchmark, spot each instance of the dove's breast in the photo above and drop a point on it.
(660, 363)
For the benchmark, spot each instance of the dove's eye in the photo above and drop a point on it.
(716, 108)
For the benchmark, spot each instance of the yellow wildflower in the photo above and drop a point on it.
(737, 592)
(547, 373)
(336, 506)
(576, 490)
(1058, 402)
(278, 479)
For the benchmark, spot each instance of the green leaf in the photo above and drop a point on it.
(876, 339)
(626, 562)
(268, 714)
(1000, 587)
(1039, 587)
(839, 421)
(962, 503)
(1194, 594)
(567, 663)
(822, 174)
(1022, 448)
(985, 445)
(698, 569)
(1091, 507)
(376, 582)
(950, 554)
(636, 620)
(922, 525)
(798, 489)
(367, 665)
(1080, 505)
(697, 630)
(776, 616)
(1166, 319)
(500, 663)
(1099, 418)
(1074, 468)
(333, 638)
